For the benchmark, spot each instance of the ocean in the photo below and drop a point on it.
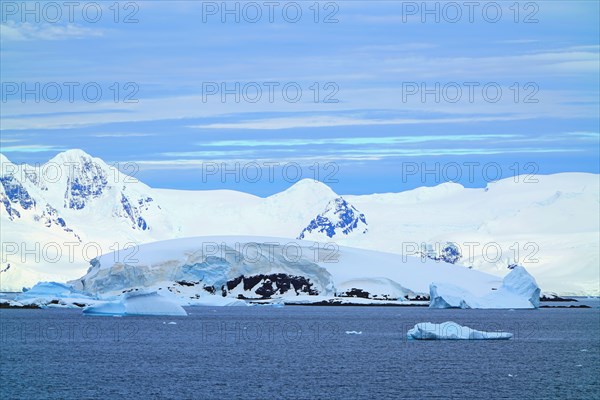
(297, 352)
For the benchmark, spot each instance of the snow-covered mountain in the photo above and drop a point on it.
(74, 186)
(74, 207)
(58, 216)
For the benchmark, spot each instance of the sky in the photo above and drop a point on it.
(377, 96)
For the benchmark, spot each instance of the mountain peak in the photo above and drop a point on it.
(309, 187)
(339, 217)
(3, 162)
(85, 178)
(73, 155)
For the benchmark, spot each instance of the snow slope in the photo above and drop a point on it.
(550, 226)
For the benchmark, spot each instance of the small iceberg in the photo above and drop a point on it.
(137, 304)
(353, 332)
(452, 331)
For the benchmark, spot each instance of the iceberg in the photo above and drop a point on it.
(137, 304)
(518, 290)
(452, 331)
(520, 283)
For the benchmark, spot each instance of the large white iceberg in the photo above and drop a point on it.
(518, 290)
(137, 304)
(452, 331)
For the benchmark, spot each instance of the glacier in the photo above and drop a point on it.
(452, 331)
(134, 303)
(518, 290)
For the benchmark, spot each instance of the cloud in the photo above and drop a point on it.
(570, 60)
(7, 140)
(354, 141)
(31, 148)
(12, 31)
(197, 163)
(585, 135)
(357, 102)
(518, 41)
(330, 121)
(122, 134)
(209, 154)
(337, 156)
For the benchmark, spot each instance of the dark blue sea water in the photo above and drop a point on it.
(297, 353)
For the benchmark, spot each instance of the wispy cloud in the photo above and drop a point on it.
(14, 31)
(571, 60)
(331, 121)
(9, 140)
(209, 154)
(518, 41)
(121, 134)
(31, 148)
(585, 135)
(199, 162)
(338, 156)
(354, 141)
